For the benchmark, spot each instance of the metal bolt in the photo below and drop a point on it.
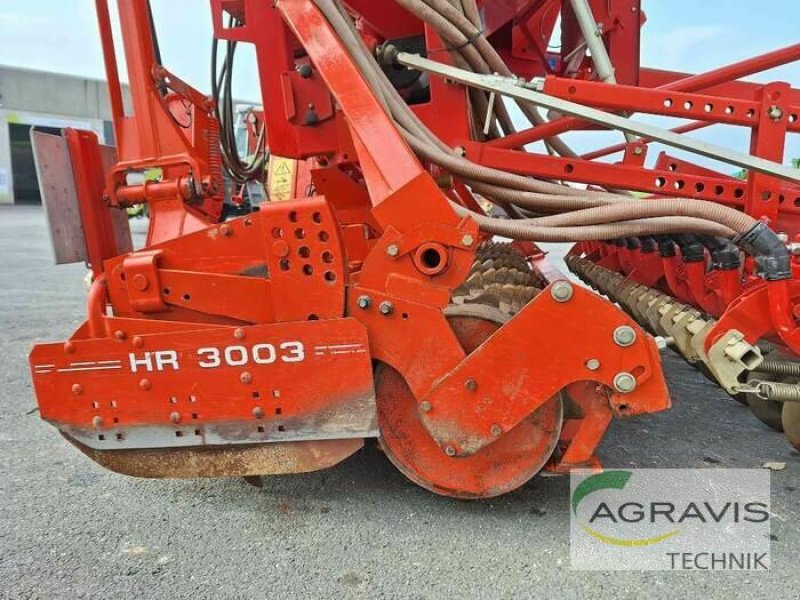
(97, 421)
(304, 70)
(175, 417)
(246, 377)
(140, 282)
(495, 429)
(145, 384)
(386, 308)
(226, 230)
(137, 342)
(775, 113)
(593, 364)
(77, 388)
(561, 291)
(258, 412)
(450, 451)
(69, 347)
(624, 336)
(638, 150)
(624, 383)
(471, 385)
(364, 302)
(392, 250)
(467, 240)
(425, 406)
(238, 333)
(119, 334)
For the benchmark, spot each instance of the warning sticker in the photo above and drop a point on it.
(282, 176)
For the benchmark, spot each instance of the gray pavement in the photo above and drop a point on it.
(69, 529)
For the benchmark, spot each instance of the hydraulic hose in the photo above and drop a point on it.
(572, 214)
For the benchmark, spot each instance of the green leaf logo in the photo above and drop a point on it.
(616, 480)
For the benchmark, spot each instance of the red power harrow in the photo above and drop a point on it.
(376, 302)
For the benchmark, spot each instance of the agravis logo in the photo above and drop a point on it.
(603, 481)
(672, 518)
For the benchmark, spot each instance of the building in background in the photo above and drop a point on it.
(49, 102)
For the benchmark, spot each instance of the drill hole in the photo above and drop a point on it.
(323, 236)
(330, 276)
(277, 233)
(327, 257)
(304, 251)
(300, 233)
(293, 216)
(284, 264)
(431, 258)
(186, 297)
(308, 269)
(316, 217)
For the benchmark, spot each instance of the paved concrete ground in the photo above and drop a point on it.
(68, 529)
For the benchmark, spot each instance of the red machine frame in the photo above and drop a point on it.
(347, 269)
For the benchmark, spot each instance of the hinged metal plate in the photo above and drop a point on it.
(59, 197)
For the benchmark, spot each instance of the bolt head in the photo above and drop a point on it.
(392, 250)
(77, 388)
(561, 291)
(364, 302)
(238, 333)
(137, 342)
(386, 308)
(450, 451)
(175, 417)
(638, 150)
(226, 230)
(97, 421)
(624, 383)
(467, 240)
(140, 282)
(145, 384)
(593, 364)
(624, 336)
(425, 406)
(258, 412)
(471, 385)
(119, 334)
(495, 429)
(246, 377)
(775, 113)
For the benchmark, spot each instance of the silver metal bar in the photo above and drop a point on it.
(516, 89)
(594, 40)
